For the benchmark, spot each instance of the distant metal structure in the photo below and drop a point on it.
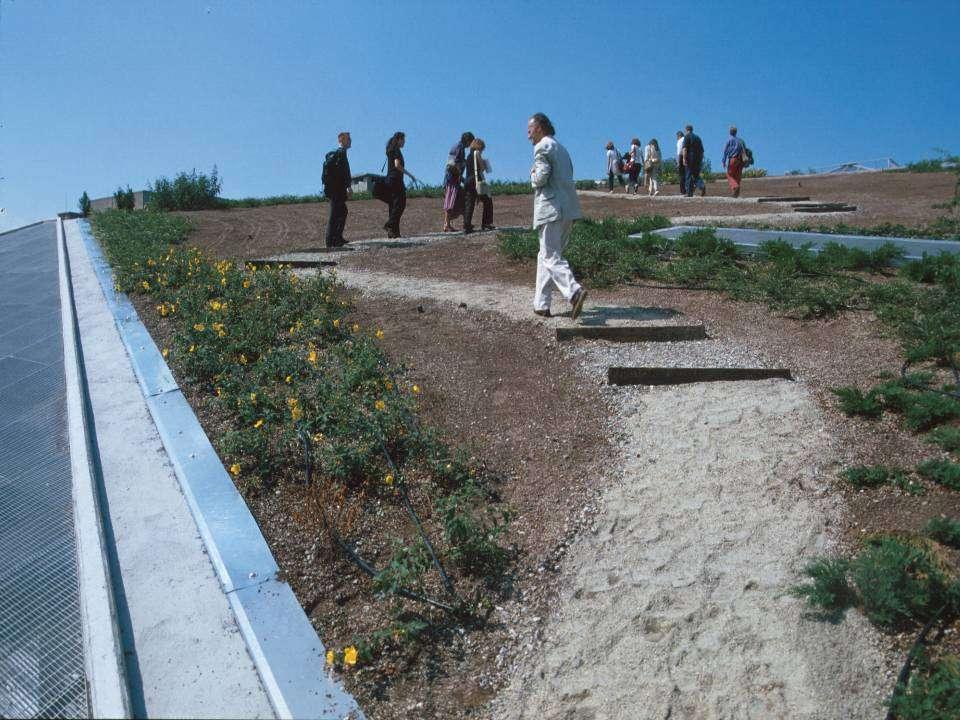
(859, 166)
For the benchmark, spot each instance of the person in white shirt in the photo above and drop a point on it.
(555, 207)
(613, 166)
(651, 166)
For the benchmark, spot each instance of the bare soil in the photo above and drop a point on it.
(905, 198)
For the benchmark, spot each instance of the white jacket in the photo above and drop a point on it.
(555, 196)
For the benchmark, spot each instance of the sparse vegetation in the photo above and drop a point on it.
(944, 530)
(84, 204)
(124, 199)
(187, 191)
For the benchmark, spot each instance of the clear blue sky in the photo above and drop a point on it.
(94, 94)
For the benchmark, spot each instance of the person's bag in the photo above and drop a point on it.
(331, 170)
(746, 155)
(483, 188)
(381, 189)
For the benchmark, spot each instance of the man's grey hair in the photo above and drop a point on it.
(543, 122)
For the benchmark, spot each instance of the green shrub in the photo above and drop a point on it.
(187, 191)
(84, 204)
(947, 437)
(944, 530)
(942, 472)
(830, 588)
(933, 692)
(586, 184)
(705, 243)
(854, 402)
(898, 584)
(941, 269)
(863, 476)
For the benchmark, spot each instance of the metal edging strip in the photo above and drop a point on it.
(107, 688)
(750, 239)
(289, 655)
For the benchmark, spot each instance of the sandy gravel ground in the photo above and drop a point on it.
(675, 605)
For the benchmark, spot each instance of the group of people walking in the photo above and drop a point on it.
(555, 201)
(648, 161)
(465, 184)
(645, 160)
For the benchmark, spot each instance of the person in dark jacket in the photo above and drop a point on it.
(398, 192)
(336, 187)
(693, 162)
(476, 172)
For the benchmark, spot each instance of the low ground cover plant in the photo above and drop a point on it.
(301, 392)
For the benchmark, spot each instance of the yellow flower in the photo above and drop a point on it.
(199, 327)
(294, 279)
(388, 385)
(235, 469)
(416, 389)
(259, 423)
(350, 655)
(356, 327)
(151, 262)
(312, 357)
(379, 334)
(318, 438)
(389, 479)
(330, 657)
(192, 348)
(243, 359)
(219, 392)
(246, 283)
(296, 413)
(336, 323)
(288, 379)
(380, 405)
(165, 352)
(223, 281)
(253, 398)
(215, 305)
(145, 285)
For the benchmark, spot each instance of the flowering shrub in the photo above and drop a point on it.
(274, 356)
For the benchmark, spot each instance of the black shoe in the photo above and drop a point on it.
(488, 227)
(577, 303)
(543, 313)
(468, 230)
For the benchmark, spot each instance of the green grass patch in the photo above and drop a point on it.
(942, 472)
(933, 692)
(947, 437)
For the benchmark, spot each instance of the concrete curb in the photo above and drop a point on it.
(289, 656)
(750, 240)
(102, 650)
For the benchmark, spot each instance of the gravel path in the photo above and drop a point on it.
(675, 606)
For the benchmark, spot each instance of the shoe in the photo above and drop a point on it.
(468, 230)
(656, 192)
(577, 303)
(488, 227)
(703, 191)
(543, 313)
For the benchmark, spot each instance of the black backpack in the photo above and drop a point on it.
(332, 171)
(746, 155)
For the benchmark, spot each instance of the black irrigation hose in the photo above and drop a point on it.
(349, 552)
(402, 487)
(904, 675)
(919, 386)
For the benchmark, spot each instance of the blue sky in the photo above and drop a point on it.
(95, 94)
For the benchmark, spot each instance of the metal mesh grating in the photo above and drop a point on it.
(41, 643)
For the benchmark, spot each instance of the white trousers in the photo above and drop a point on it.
(552, 270)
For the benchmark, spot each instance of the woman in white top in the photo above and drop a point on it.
(651, 165)
(613, 166)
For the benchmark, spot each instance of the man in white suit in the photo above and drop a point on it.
(555, 207)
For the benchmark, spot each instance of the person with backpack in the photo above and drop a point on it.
(693, 162)
(336, 186)
(733, 161)
(614, 166)
(394, 181)
(681, 170)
